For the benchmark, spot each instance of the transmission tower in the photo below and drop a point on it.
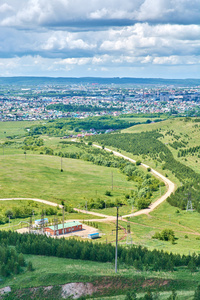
(63, 209)
(189, 203)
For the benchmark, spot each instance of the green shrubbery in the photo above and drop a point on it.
(10, 261)
(165, 235)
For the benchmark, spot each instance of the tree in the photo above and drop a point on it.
(131, 295)
(197, 293)
(21, 260)
(30, 266)
(173, 296)
(148, 296)
(192, 265)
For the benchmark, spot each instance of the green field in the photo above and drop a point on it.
(186, 226)
(39, 176)
(62, 271)
(15, 128)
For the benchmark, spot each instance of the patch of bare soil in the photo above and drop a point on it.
(77, 289)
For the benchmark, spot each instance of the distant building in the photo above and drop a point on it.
(68, 228)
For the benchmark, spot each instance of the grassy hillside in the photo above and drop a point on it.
(181, 130)
(102, 278)
(39, 176)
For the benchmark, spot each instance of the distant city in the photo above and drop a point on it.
(48, 102)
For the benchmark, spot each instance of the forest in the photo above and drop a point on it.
(137, 256)
(59, 127)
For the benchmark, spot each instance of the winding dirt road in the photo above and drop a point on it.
(170, 185)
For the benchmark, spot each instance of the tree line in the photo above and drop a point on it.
(137, 256)
(59, 127)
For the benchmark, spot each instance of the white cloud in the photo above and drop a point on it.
(57, 12)
(4, 8)
(62, 35)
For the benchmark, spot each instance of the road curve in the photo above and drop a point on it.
(33, 199)
(170, 185)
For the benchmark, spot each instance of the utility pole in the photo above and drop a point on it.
(61, 169)
(42, 222)
(55, 225)
(63, 219)
(30, 224)
(86, 205)
(9, 219)
(116, 241)
(112, 180)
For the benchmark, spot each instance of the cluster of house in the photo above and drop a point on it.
(108, 100)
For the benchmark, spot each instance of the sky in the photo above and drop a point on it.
(100, 38)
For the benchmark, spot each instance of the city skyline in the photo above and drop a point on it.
(157, 38)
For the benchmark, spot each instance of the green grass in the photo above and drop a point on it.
(182, 295)
(166, 216)
(15, 128)
(39, 176)
(56, 271)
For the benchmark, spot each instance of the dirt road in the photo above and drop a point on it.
(170, 185)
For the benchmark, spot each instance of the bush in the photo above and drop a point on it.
(138, 162)
(108, 193)
(165, 235)
(143, 203)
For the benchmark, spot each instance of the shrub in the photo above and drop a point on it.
(143, 203)
(138, 162)
(165, 235)
(108, 193)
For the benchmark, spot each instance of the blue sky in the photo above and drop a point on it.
(104, 38)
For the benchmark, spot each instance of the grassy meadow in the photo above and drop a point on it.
(39, 176)
(186, 226)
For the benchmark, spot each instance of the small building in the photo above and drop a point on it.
(93, 235)
(60, 229)
(40, 222)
